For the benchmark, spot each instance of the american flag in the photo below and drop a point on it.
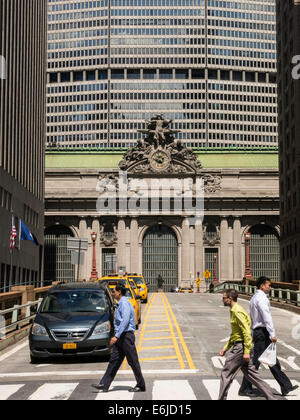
(13, 235)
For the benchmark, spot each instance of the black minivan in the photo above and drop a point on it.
(73, 319)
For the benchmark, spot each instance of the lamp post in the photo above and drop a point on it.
(94, 273)
(248, 274)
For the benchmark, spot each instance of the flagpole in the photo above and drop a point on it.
(11, 258)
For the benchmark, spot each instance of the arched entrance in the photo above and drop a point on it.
(58, 266)
(264, 252)
(160, 256)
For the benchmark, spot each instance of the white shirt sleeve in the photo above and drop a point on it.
(265, 313)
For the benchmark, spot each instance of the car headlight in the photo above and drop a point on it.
(101, 329)
(38, 329)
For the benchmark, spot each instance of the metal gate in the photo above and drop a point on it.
(264, 252)
(160, 256)
(109, 261)
(212, 264)
(58, 266)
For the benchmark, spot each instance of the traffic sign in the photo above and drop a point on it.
(207, 274)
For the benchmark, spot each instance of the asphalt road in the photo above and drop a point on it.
(178, 343)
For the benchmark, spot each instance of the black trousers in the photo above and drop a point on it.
(124, 347)
(261, 340)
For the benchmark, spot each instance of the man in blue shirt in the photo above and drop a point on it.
(123, 344)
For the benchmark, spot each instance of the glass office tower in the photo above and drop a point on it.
(209, 65)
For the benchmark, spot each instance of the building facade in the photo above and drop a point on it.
(22, 136)
(288, 24)
(208, 65)
(130, 209)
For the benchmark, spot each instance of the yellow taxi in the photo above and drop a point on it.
(141, 284)
(113, 280)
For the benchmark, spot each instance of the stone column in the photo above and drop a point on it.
(224, 249)
(83, 234)
(121, 250)
(134, 245)
(199, 249)
(230, 250)
(237, 246)
(185, 253)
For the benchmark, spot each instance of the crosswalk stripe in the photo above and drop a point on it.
(54, 391)
(213, 388)
(118, 392)
(7, 390)
(294, 395)
(172, 390)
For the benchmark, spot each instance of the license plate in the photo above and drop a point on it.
(70, 346)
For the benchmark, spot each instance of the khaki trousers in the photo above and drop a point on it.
(234, 363)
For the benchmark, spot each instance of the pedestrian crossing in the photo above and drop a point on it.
(157, 390)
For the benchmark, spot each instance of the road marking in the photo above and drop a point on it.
(96, 373)
(184, 346)
(7, 390)
(147, 359)
(172, 391)
(13, 351)
(118, 392)
(177, 350)
(294, 395)
(54, 391)
(157, 347)
(158, 338)
(213, 388)
(289, 347)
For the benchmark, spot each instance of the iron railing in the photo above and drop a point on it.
(18, 319)
(280, 295)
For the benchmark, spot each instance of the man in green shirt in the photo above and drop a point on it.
(240, 345)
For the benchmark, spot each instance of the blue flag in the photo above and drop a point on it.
(26, 235)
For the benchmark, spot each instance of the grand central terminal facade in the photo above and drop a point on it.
(161, 208)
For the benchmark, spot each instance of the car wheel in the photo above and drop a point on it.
(34, 360)
(145, 300)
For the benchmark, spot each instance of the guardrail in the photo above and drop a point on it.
(291, 297)
(21, 315)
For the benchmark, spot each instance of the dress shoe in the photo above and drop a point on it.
(136, 389)
(252, 393)
(100, 387)
(287, 391)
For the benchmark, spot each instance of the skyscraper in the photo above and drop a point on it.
(22, 136)
(209, 65)
(288, 24)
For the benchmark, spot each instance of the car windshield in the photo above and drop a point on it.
(75, 301)
(138, 280)
(129, 293)
(115, 282)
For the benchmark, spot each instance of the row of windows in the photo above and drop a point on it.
(130, 138)
(124, 3)
(154, 61)
(238, 15)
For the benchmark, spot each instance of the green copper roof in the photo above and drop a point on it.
(210, 158)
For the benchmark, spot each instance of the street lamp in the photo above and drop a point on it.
(248, 273)
(94, 273)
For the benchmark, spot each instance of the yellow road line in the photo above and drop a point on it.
(184, 346)
(157, 347)
(177, 350)
(147, 310)
(158, 358)
(158, 338)
(152, 331)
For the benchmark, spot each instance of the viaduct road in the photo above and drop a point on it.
(178, 342)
